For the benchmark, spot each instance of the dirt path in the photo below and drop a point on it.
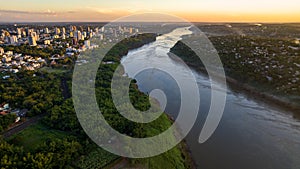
(65, 89)
(120, 164)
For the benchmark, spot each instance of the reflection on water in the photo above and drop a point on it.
(251, 134)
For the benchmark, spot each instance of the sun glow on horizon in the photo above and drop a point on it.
(191, 10)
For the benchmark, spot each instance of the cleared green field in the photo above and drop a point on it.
(53, 70)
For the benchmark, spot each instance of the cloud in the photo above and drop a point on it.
(71, 11)
(128, 10)
(47, 12)
(101, 10)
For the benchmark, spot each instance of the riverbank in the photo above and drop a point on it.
(177, 157)
(185, 149)
(188, 57)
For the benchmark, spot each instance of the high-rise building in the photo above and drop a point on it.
(71, 34)
(19, 30)
(29, 31)
(78, 35)
(32, 41)
(6, 33)
(36, 36)
(82, 37)
(91, 34)
(81, 29)
(1, 51)
(24, 33)
(46, 30)
(57, 31)
(64, 30)
(72, 28)
(12, 40)
(74, 41)
(84, 34)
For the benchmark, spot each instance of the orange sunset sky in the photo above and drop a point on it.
(191, 10)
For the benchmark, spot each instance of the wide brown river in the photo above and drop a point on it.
(251, 134)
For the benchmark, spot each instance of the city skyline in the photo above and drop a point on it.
(191, 10)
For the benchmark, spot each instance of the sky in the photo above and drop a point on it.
(190, 10)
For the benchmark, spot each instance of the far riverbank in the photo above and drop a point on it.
(235, 84)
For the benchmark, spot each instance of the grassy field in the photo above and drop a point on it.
(35, 135)
(53, 70)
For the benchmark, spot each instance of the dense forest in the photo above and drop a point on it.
(58, 141)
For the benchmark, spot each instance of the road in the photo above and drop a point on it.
(22, 126)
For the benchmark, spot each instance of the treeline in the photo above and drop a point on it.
(6, 120)
(38, 92)
(57, 153)
(35, 51)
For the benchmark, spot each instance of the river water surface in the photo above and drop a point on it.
(251, 134)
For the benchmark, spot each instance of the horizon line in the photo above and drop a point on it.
(263, 22)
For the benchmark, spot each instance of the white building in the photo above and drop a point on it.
(87, 43)
(46, 30)
(19, 30)
(101, 36)
(64, 30)
(47, 42)
(1, 51)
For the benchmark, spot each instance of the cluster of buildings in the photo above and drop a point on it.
(275, 62)
(74, 39)
(5, 110)
(13, 62)
(45, 36)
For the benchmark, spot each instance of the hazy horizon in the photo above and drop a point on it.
(199, 22)
(266, 11)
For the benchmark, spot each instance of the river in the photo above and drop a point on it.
(251, 134)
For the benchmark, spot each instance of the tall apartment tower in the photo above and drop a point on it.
(32, 40)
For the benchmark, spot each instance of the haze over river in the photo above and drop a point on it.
(251, 134)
